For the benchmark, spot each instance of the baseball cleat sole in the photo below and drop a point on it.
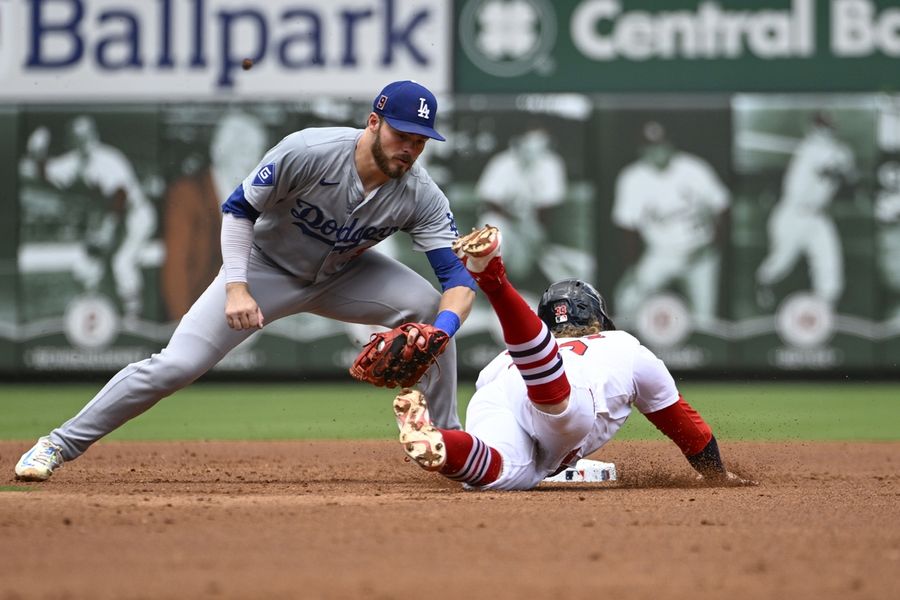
(478, 243)
(422, 441)
(478, 249)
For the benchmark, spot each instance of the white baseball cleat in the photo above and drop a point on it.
(421, 440)
(478, 248)
(39, 463)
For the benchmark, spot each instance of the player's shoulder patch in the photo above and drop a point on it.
(265, 177)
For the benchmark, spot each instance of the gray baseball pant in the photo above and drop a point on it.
(372, 289)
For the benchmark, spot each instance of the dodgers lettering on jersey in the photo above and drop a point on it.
(314, 216)
(349, 236)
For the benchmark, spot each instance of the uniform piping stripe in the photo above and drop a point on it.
(476, 465)
(538, 375)
(552, 378)
(539, 365)
(473, 453)
(537, 355)
(534, 346)
(485, 464)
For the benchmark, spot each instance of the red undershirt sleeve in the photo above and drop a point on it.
(683, 425)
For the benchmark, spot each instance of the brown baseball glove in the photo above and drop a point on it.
(389, 360)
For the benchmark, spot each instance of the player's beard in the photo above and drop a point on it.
(384, 163)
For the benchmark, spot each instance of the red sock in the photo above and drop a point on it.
(531, 345)
(469, 459)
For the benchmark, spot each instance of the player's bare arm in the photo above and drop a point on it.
(458, 301)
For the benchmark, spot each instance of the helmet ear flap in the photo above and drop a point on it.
(607, 324)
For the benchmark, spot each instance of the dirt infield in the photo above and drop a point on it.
(351, 520)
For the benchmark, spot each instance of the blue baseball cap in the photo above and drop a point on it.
(408, 107)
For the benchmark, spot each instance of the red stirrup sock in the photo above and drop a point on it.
(469, 459)
(531, 345)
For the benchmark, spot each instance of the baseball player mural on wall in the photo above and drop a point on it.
(574, 383)
(674, 201)
(887, 203)
(294, 238)
(819, 166)
(516, 189)
(108, 174)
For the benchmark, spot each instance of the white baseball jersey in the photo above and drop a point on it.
(810, 182)
(611, 369)
(671, 207)
(315, 217)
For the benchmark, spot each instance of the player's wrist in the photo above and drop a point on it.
(708, 462)
(448, 322)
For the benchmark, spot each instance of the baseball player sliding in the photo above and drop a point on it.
(294, 235)
(562, 390)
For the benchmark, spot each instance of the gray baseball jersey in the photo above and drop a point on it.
(310, 237)
(315, 217)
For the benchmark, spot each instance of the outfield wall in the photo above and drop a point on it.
(723, 268)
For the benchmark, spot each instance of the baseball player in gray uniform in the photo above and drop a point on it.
(294, 236)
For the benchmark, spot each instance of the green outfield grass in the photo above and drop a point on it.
(228, 411)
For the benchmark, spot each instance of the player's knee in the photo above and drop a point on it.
(170, 375)
(574, 421)
(554, 408)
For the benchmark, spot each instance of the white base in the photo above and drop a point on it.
(586, 471)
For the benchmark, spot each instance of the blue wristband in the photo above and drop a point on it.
(447, 321)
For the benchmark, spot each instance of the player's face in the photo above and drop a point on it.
(658, 154)
(82, 132)
(395, 151)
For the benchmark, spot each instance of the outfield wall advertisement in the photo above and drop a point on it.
(115, 50)
(677, 45)
(732, 234)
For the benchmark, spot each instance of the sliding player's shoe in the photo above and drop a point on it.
(422, 441)
(480, 253)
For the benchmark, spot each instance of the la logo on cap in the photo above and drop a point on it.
(424, 111)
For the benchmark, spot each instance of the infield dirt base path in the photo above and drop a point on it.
(352, 520)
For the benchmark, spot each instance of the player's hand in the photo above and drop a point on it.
(414, 336)
(241, 309)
